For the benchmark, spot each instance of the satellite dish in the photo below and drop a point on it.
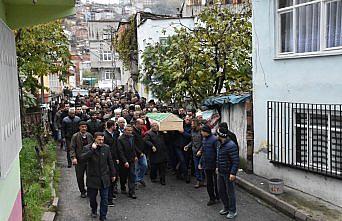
(147, 10)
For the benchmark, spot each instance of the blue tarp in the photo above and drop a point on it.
(229, 99)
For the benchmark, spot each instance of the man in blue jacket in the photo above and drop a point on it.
(208, 162)
(227, 167)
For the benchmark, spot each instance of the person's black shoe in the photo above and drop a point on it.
(133, 196)
(187, 179)
(69, 166)
(93, 215)
(110, 204)
(163, 182)
(123, 192)
(103, 219)
(114, 197)
(211, 202)
(142, 183)
(83, 195)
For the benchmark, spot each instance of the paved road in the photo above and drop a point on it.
(176, 201)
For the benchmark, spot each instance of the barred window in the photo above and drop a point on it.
(307, 136)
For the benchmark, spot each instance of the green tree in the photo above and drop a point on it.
(125, 44)
(41, 50)
(198, 63)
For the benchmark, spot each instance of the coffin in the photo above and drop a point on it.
(166, 121)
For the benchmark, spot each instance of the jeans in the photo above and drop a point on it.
(92, 194)
(212, 184)
(55, 134)
(199, 174)
(181, 156)
(227, 192)
(80, 170)
(140, 168)
(128, 175)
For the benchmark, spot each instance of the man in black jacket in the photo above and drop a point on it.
(141, 164)
(100, 173)
(127, 157)
(78, 141)
(158, 158)
(69, 128)
(94, 124)
(110, 138)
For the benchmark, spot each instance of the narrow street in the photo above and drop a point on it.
(177, 201)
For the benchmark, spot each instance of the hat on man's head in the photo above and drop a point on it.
(222, 130)
(82, 123)
(206, 128)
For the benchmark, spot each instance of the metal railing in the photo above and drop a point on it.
(306, 136)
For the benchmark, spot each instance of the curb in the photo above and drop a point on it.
(51, 214)
(282, 206)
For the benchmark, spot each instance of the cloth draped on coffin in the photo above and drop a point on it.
(166, 121)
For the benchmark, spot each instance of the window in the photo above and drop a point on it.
(106, 36)
(107, 75)
(306, 136)
(148, 2)
(163, 40)
(309, 27)
(106, 56)
(194, 2)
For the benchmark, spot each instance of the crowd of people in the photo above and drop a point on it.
(109, 139)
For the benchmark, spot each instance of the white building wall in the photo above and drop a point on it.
(316, 80)
(10, 130)
(150, 32)
(236, 117)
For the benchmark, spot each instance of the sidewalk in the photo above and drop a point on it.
(294, 203)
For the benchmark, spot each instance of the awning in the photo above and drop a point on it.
(213, 102)
(22, 13)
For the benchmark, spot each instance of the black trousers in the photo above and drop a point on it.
(114, 185)
(212, 184)
(80, 170)
(68, 148)
(158, 168)
(128, 175)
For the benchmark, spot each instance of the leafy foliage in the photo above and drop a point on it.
(126, 45)
(41, 50)
(36, 177)
(198, 63)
